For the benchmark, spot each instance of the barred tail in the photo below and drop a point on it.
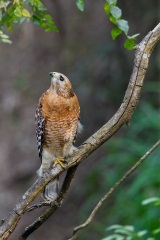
(51, 190)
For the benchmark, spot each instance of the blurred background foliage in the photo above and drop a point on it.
(122, 152)
(99, 69)
(128, 232)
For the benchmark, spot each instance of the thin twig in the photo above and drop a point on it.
(111, 190)
(37, 205)
(54, 206)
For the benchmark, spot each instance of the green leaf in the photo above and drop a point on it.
(142, 233)
(4, 36)
(36, 20)
(47, 16)
(129, 227)
(156, 231)
(116, 12)
(123, 232)
(26, 13)
(112, 2)
(112, 19)
(129, 44)
(44, 25)
(6, 40)
(123, 25)
(41, 8)
(18, 12)
(150, 200)
(80, 5)
(52, 28)
(115, 226)
(10, 27)
(107, 8)
(115, 32)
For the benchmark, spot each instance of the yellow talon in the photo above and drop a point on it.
(60, 161)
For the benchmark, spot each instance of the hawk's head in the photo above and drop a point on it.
(61, 84)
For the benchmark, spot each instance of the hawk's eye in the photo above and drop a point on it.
(61, 78)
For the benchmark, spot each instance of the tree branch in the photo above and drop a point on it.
(111, 190)
(54, 206)
(121, 117)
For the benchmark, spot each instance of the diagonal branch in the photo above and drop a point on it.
(121, 117)
(112, 189)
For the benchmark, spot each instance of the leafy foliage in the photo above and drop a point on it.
(5, 38)
(129, 233)
(115, 16)
(34, 10)
(124, 233)
(17, 11)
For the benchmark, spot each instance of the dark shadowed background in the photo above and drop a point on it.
(99, 69)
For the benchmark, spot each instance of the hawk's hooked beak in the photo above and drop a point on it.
(51, 74)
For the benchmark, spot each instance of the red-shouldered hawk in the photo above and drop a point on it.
(57, 124)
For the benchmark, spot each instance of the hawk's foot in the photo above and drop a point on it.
(60, 161)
